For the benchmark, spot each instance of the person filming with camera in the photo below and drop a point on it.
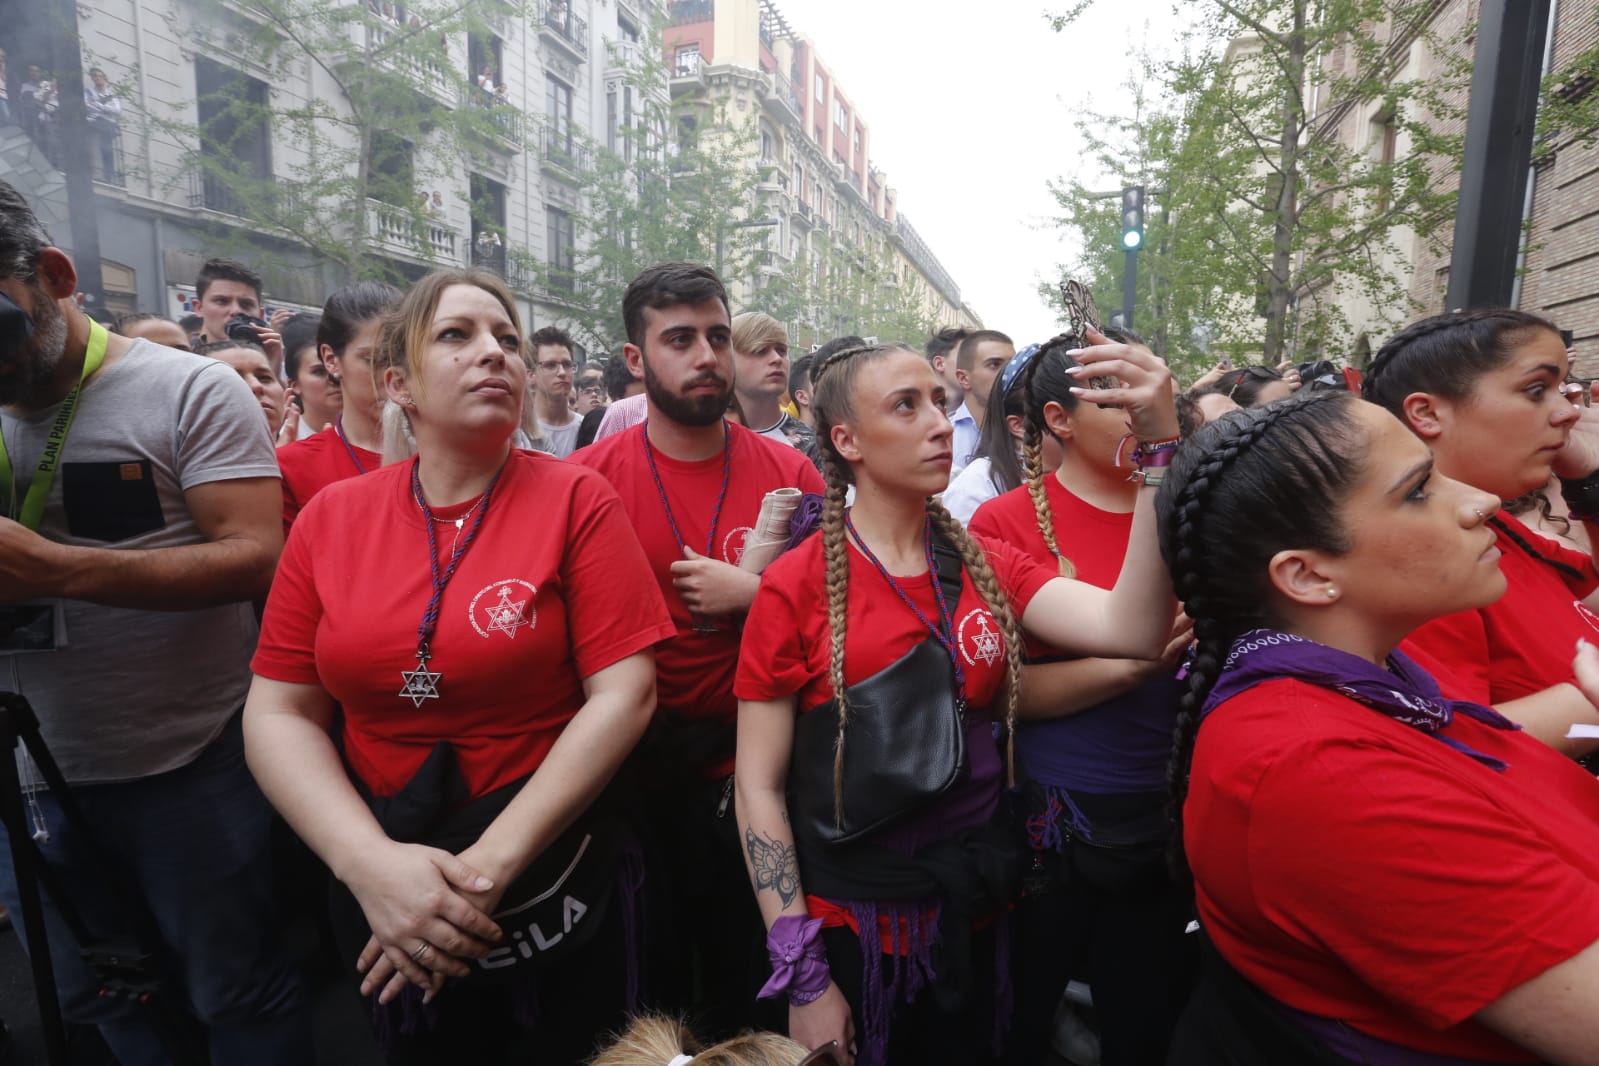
(229, 295)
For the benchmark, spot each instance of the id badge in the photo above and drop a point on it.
(33, 625)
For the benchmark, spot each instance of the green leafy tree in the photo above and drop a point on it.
(1135, 148)
(677, 182)
(837, 289)
(391, 110)
(1569, 110)
(1269, 225)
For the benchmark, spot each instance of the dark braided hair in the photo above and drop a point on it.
(1445, 354)
(1043, 382)
(1246, 487)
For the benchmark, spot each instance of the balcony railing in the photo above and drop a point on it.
(780, 91)
(687, 65)
(623, 55)
(212, 192)
(394, 47)
(507, 121)
(566, 29)
(683, 12)
(559, 149)
(400, 231)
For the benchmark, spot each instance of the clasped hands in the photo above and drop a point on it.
(429, 913)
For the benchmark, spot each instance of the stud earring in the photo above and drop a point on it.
(1332, 593)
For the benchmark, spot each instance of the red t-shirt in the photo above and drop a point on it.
(788, 646)
(554, 589)
(788, 651)
(1358, 869)
(1521, 644)
(695, 670)
(1094, 540)
(312, 464)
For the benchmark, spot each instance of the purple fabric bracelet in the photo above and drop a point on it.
(799, 964)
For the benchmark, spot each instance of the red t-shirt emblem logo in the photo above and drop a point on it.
(735, 542)
(979, 640)
(503, 607)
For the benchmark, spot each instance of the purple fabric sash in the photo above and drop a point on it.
(1404, 691)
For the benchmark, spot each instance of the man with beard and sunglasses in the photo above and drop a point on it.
(693, 483)
(140, 492)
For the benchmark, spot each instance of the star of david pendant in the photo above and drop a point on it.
(421, 683)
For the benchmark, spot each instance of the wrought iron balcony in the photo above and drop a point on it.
(560, 150)
(565, 29)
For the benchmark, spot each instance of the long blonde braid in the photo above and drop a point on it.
(994, 598)
(835, 553)
(830, 400)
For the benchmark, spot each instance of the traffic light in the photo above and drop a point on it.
(1132, 216)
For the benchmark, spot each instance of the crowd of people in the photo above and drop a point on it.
(872, 695)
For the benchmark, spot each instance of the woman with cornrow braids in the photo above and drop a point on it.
(1483, 390)
(1094, 740)
(1384, 874)
(875, 661)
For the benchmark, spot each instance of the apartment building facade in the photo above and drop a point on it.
(1560, 247)
(819, 186)
(549, 76)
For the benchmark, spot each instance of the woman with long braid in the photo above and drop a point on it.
(1483, 390)
(866, 793)
(1093, 746)
(1386, 875)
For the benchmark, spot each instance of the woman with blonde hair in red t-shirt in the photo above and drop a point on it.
(476, 616)
(1092, 747)
(1386, 875)
(869, 821)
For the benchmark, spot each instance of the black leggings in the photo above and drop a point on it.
(920, 1034)
(1127, 943)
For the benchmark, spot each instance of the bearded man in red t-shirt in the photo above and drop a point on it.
(693, 483)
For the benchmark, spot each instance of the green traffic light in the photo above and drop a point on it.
(1132, 239)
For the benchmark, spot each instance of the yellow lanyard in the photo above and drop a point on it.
(55, 443)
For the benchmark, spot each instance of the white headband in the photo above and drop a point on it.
(681, 1060)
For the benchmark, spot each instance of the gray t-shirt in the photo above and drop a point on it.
(135, 693)
(562, 440)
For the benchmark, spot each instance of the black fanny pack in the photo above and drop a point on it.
(904, 743)
(556, 905)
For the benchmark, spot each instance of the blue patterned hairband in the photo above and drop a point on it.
(1014, 368)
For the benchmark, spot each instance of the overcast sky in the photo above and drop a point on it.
(970, 107)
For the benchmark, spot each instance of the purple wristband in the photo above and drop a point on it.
(799, 963)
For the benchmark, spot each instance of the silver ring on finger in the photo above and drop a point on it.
(421, 950)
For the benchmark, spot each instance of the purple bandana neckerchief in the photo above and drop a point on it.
(1404, 692)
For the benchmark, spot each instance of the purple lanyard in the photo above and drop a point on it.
(422, 683)
(716, 515)
(946, 635)
(349, 449)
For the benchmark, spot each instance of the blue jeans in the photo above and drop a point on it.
(190, 847)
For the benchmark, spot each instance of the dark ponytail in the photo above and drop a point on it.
(1244, 488)
(350, 308)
